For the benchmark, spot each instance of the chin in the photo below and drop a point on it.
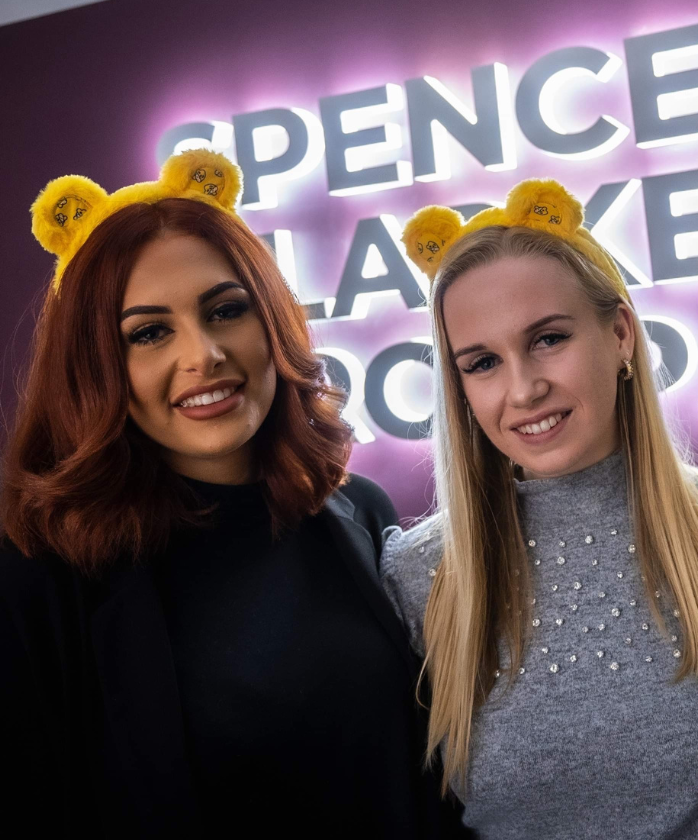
(218, 449)
(551, 465)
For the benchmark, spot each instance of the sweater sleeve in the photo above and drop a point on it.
(408, 563)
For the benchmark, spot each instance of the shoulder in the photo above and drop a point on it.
(419, 547)
(39, 616)
(32, 585)
(19, 572)
(364, 493)
(373, 509)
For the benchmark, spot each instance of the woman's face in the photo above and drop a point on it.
(538, 369)
(200, 370)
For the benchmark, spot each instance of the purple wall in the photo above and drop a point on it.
(92, 90)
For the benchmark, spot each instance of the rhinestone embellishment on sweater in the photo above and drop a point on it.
(581, 598)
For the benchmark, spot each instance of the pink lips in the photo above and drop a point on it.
(206, 412)
(543, 437)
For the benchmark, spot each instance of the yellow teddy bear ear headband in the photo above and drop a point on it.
(540, 205)
(68, 209)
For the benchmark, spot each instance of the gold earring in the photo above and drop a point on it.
(629, 371)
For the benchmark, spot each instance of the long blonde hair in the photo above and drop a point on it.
(481, 592)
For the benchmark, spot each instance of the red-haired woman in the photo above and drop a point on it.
(192, 633)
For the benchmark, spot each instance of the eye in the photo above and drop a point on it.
(150, 334)
(551, 339)
(153, 333)
(230, 310)
(483, 363)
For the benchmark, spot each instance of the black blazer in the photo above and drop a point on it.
(91, 722)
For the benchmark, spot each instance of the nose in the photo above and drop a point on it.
(525, 385)
(199, 353)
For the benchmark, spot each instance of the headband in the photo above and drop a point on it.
(68, 209)
(539, 205)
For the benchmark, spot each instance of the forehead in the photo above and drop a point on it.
(173, 265)
(503, 297)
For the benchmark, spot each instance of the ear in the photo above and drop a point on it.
(208, 174)
(624, 331)
(429, 234)
(544, 205)
(63, 209)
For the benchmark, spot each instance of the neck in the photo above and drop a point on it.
(239, 468)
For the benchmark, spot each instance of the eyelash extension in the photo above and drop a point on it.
(237, 308)
(476, 365)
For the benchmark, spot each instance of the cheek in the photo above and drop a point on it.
(591, 377)
(267, 381)
(146, 383)
(484, 399)
(259, 362)
(139, 382)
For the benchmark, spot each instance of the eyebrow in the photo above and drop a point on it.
(476, 348)
(165, 310)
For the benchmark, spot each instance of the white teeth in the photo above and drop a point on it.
(207, 399)
(543, 426)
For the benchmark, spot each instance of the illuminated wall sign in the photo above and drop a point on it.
(390, 136)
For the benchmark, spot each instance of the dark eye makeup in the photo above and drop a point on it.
(152, 333)
(486, 361)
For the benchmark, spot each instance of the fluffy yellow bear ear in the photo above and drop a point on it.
(208, 174)
(429, 234)
(63, 210)
(544, 205)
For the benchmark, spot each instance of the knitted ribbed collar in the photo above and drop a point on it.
(596, 492)
(241, 503)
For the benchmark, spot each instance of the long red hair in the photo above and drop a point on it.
(80, 478)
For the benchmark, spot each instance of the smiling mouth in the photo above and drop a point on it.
(544, 426)
(208, 399)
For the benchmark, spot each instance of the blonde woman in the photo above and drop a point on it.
(554, 595)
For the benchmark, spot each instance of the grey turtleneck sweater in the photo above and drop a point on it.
(594, 740)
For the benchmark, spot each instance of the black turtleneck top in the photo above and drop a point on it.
(299, 711)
